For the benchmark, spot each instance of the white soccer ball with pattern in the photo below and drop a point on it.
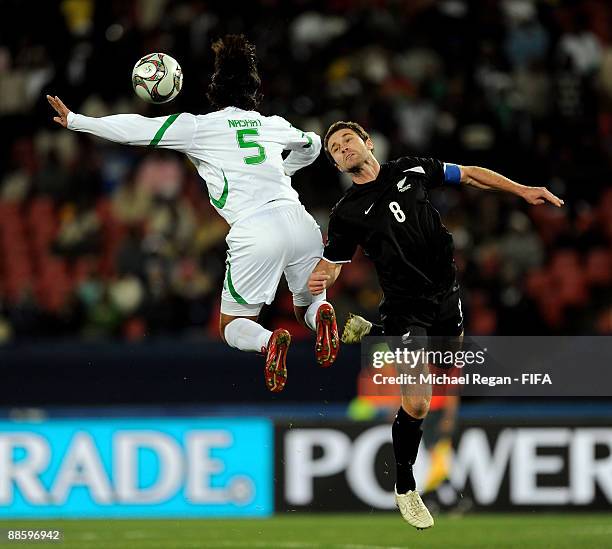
(157, 78)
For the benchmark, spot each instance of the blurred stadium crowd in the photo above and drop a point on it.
(100, 240)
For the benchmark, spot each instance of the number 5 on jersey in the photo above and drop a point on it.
(241, 136)
(397, 211)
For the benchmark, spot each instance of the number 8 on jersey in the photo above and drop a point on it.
(397, 211)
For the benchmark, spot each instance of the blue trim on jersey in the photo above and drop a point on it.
(452, 174)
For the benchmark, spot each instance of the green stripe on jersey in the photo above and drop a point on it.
(160, 133)
(220, 202)
(230, 287)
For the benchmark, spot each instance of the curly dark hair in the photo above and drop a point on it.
(236, 81)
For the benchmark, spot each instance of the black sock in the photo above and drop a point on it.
(407, 434)
(376, 330)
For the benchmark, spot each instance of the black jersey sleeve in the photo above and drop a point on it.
(341, 241)
(434, 171)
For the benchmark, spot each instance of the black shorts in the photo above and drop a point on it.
(423, 317)
(433, 326)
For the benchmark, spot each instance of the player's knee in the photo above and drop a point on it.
(416, 407)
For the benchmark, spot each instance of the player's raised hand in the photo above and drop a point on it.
(317, 282)
(61, 110)
(540, 195)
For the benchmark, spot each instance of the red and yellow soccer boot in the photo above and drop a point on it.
(275, 370)
(328, 342)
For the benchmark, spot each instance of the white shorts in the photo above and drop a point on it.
(261, 248)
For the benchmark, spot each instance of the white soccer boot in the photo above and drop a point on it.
(413, 510)
(355, 329)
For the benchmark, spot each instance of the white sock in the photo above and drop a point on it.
(310, 317)
(246, 335)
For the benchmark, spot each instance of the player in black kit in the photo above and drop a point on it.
(388, 213)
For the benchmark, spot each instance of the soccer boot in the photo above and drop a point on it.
(413, 510)
(327, 343)
(355, 329)
(275, 370)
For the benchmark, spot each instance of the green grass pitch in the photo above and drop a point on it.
(364, 531)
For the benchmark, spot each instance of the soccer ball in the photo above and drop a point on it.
(157, 78)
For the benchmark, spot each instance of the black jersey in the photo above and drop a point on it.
(394, 222)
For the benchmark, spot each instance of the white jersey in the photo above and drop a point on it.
(238, 153)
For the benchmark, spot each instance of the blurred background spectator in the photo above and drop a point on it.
(103, 241)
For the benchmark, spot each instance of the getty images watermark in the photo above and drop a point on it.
(488, 366)
(448, 360)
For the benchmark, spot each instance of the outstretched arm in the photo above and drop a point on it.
(323, 276)
(483, 178)
(172, 132)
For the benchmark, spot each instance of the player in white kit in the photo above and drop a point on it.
(238, 153)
